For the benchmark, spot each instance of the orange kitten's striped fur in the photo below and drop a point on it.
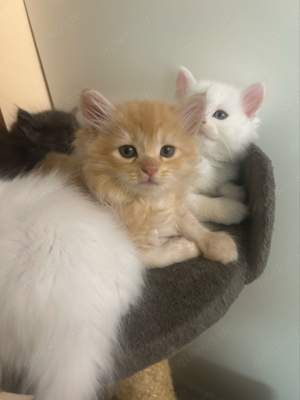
(147, 191)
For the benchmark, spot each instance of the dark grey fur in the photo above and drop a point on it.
(31, 137)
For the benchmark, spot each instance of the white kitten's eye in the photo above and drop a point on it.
(127, 151)
(167, 151)
(220, 114)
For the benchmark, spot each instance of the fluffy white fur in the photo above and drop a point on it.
(68, 273)
(223, 143)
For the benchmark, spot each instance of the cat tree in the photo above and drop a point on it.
(183, 300)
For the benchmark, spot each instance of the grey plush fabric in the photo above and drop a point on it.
(183, 300)
(258, 175)
(185, 392)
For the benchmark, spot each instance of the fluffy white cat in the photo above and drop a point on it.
(229, 126)
(68, 273)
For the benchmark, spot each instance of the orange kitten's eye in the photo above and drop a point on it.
(127, 151)
(167, 151)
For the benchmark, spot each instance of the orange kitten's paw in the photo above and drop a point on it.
(219, 246)
(192, 250)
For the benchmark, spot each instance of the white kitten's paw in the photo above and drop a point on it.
(232, 191)
(218, 246)
(231, 212)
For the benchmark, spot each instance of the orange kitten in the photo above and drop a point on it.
(140, 159)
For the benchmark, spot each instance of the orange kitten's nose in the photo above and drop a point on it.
(150, 171)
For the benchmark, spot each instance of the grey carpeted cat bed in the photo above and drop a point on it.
(183, 300)
(185, 392)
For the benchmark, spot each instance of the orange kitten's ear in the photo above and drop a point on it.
(96, 109)
(183, 82)
(192, 112)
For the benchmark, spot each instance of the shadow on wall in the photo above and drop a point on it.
(222, 383)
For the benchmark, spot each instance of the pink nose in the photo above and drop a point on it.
(150, 171)
(204, 121)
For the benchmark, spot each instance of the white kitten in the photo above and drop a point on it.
(68, 273)
(229, 126)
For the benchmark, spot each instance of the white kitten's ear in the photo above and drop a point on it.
(183, 82)
(96, 109)
(252, 99)
(192, 112)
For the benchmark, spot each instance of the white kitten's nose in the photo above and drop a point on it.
(204, 121)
